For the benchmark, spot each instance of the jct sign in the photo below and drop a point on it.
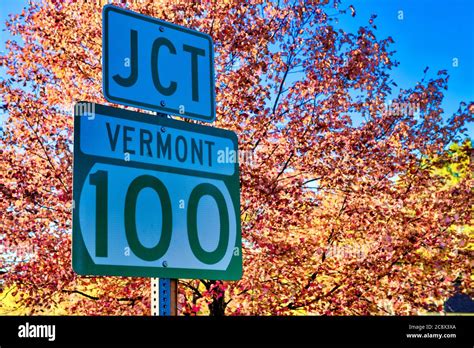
(154, 197)
(152, 64)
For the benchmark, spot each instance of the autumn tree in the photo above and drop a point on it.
(337, 218)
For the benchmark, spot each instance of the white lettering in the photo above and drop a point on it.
(37, 331)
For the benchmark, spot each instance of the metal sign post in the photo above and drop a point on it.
(168, 297)
(164, 297)
(155, 288)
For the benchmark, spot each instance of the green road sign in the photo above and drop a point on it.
(154, 197)
(157, 65)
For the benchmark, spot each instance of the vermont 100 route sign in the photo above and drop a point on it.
(152, 64)
(154, 197)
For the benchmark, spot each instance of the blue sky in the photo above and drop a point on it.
(432, 33)
(7, 7)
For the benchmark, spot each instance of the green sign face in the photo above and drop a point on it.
(154, 197)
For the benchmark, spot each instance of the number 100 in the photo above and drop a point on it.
(99, 179)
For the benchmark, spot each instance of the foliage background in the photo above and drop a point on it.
(339, 217)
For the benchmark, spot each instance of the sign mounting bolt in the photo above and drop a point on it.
(162, 29)
(165, 264)
(162, 103)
